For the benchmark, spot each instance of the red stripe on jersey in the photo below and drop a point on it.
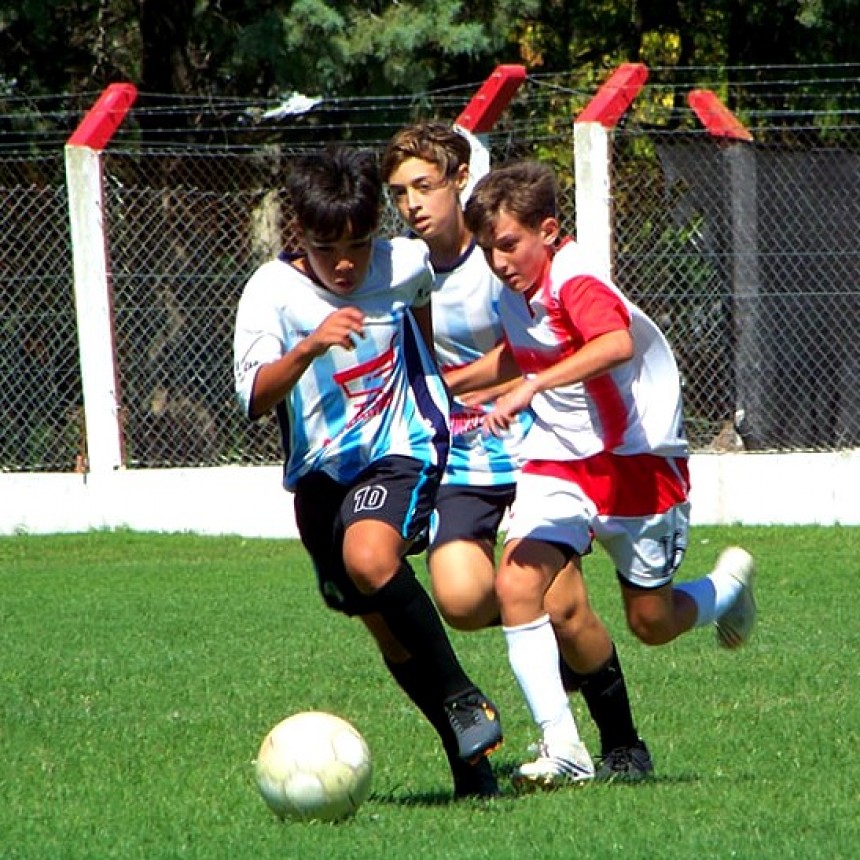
(635, 486)
(592, 307)
(611, 411)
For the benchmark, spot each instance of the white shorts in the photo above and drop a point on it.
(640, 518)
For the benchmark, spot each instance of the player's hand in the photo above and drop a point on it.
(508, 406)
(475, 398)
(487, 395)
(340, 328)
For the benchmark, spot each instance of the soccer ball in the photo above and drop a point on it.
(313, 766)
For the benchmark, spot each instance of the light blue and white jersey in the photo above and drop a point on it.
(466, 325)
(350, 407)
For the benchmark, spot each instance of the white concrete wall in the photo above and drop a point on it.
(749, 489)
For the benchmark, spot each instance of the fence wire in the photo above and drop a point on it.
(41, 399)
(743, 253)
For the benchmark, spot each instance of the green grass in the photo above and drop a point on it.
(138, 674)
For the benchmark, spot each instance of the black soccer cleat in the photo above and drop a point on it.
(474, 780)
(626, 764)
(475, 723)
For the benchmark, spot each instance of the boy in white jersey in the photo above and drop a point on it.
(426, 166)
(606, 457)
(334, 339)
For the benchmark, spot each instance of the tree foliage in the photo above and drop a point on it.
(265, 48)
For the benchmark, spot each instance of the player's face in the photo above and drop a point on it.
(427, 199)
(518, 254)
(341, 264)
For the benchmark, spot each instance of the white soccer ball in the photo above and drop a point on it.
(313, 766)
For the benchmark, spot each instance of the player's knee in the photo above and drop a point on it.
(467, 615)
(369, 568)
(574, 620)
(512, 588)
(649, 630)
(465, 603)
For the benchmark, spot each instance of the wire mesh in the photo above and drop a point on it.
(41, 412)
(743, 254)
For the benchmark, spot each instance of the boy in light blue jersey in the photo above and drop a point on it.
(426, 166)
(335, 338)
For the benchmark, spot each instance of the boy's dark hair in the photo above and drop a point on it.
(524, 189)
(335, 190)
(432, 141)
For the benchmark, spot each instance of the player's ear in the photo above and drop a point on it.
(461, 177)
(549, 230)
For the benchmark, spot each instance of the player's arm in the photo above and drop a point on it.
(594, 358)
(496, 368)
(275, 379)
(488, 395)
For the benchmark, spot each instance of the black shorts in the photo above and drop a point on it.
(469, 513)
(396, 490)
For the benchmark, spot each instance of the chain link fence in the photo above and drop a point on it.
(741, 252)
(744, 254)
(41, 399)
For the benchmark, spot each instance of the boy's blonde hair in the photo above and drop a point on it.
(431, 141)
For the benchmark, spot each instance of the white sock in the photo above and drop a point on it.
(533, 655)
(712, 594)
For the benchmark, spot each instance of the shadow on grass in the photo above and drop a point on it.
(504, 771)
(435, 799)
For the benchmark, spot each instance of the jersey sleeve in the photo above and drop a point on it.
(593, 308)
(256, 341)
(412, 273)
(424, 289)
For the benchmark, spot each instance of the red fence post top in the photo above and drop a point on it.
(482, 112)
(616, 95)
(104, 117)
(716, 117)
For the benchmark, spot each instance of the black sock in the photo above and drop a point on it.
(411, 616)
(414, 682)
(605, 694)
(469, 779)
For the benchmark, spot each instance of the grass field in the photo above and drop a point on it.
(138, 674)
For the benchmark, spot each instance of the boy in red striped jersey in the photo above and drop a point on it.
(605, 459)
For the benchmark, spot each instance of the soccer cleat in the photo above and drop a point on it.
(735, 625)
(474, 780)
(476, 725)
(625, 764)
(555, 767)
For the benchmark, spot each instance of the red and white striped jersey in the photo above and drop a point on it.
(633, 409)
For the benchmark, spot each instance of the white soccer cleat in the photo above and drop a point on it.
(735, 625)
(555, 767)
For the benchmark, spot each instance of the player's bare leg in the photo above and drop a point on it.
(591, 665)
(659, 615)
(583, 639)
(462, 576)
(724, 597)
(372, 551)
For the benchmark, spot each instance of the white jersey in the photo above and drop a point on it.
(466, 325)
(633, 409)
(350, 407)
